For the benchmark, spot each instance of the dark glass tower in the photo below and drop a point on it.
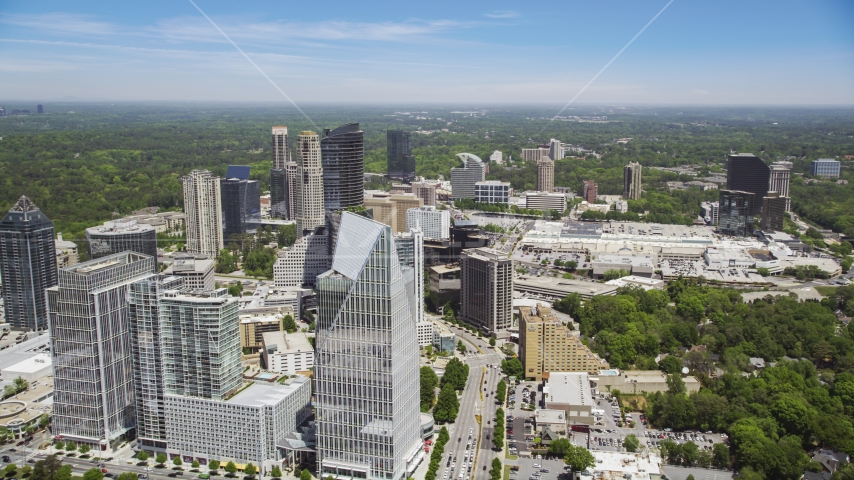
(748, 173)
(736, 213)
(279, 193)
(343, 156)
(241, 201)
(27, 264)
(122, 236)
(401, 162)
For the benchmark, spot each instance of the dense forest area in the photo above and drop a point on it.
(83, 164)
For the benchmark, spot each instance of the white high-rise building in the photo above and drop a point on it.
(463, 179)
(281, 152)
(301, 263)
(436, 224)
(555, 149)
(779, 181)
(93, 400)
(366, 369)
(309, 184)
(497, 157)
(203, 208)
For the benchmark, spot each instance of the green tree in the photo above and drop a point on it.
(631, 443)
(177, 461)
(127, 476)
(496, 470)
(675, 385)
(46, 469)
(670, 365)
(93, 474)
(289, 325)
(59, 445)
(64, 473)
(213, 465)
(429, 381)
(501, 391)
(142, 456)
(559, 448)
(491, 341)
(9, 391)
(690, 477)
(84, 449)
(276, 472)
(70, 446)
(231, 468)
(161, 459)
(250, 469)
(512, 368)
(447, 406)
(21, 385)
(305, 475)
(195, 464)
(720, 456)
(578, 458)
(225, 262)
(461, 347)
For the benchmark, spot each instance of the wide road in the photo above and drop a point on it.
(475, 451)
(28, 456)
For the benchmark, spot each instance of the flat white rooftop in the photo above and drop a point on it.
(568, 388)
(261, 395)
(30, 365)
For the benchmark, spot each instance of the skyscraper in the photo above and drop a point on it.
(366, 364)
(241, 201)
(773, 212)
(486, 289)
(735, 215)
(463, 179)
(281, 152)
(436, 224)
(203, 207)
(632, 181)
(410, 252)
(93, 399)
(309, 184)
(278, 194)
(147, 357)
(779, 182)
(401, 162)
(343, 152)
(27, 264)
(546, 175)
(555, 149)
(748, 173)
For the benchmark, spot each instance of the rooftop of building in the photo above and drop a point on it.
(187, 264)
(485, 253)
(287, 342)
(119, 227)
(561, 287)
(63, 244)
(546, 415)
(262, 395)
(568, 388)
(260, 318)
(93, 266)
(613, 465)
(442, 329)
(30, 365)
(492, 182)
(634, 280)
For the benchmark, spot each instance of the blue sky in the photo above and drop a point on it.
(696, 51)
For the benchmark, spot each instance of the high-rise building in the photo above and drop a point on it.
(40, 108)
(486, 289)
(710, 212)
(748, 173)
(66, 252)
(203, 207)
(463, 179)
(632, 181)
(736, 213)
(241, 201)
(93, 400)
(391, 209)
(825, 167)
(309, 184)
(281, 152)
(589, 191)
(436, 224)
(279, 194)
(779, 182)
(410, 252)
(401, 161)
(535, 154)
(27, 264)
(492, 191)
(343, 153)
(2, 111)
(773, 212)
(547, 345)
(301, 263)
(555, 149)
(426, 190)
(366, 363)
(122, 235)
(546, 175)
(293, 177)
(147, 357)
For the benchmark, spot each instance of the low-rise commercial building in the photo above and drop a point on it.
(444, 340)
(570, 393)
(553, 420)
(425, 333)
(66, 252)
(825, 167)
(545, 201)
(546, 345)
(492, 191)
(254, 326)
(287, 353)
(30, 369)
(613, 465)
(197, 271)
(637, 381)
(241, 429)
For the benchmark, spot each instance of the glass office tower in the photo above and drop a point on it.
(401, 161)
(343, 154)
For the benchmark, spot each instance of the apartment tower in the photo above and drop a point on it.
(401, 162)
(309, 184)
(203, 208)
(486, 289)
(546, 175)
(366, 363)
(589, 191)
(241, 201)
(781, 173)
(93, 401)
(27, 264)
(632, 181)
(463, 179)
(343, 153)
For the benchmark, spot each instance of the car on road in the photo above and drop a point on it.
(143, 476)
(31, 460)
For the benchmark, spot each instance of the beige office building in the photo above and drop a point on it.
(203, 208)
(426, 191)
(253, 328)
(546, 175)
(632, 181)
(309, 186)
(486, 289)
(390, 209)
(547, 345)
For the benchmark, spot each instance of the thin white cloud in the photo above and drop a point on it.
(502, 14)
(60, 22)
(698, 91)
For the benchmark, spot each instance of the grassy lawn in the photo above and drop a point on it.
(826, 290)
(506, 472)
